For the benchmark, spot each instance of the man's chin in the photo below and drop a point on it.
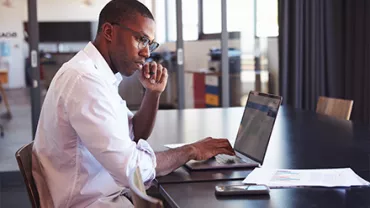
(129, 73)
(134, 71)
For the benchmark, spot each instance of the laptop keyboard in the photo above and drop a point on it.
(227, 159)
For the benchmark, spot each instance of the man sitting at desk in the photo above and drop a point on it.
(87, 140)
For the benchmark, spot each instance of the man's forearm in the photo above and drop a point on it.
(170, 160)
(143, 121)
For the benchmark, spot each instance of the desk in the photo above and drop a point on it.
(190, 125)
(202, 195)
(300, 139)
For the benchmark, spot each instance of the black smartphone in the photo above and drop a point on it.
(242, 190)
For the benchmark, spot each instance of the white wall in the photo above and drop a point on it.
(66, 10)
(11, 21)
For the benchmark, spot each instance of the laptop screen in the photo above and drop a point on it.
(256, 125)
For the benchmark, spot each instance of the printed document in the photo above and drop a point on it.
(337, 177)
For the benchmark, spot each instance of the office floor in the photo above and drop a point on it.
(17, 132)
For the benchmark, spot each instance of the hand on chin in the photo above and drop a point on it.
(153, 77)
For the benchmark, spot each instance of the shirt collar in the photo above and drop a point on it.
(119, 78)
(101, 65)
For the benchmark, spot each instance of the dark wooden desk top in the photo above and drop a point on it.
(203, 195)
(190, 125)
(300, 139)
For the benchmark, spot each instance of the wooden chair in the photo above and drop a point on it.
(337, 108)
(24, 159)
(139, 196)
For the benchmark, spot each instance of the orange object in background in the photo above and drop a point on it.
(212, 100)
(4, 77)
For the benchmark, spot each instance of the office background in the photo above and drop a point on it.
(300, 49)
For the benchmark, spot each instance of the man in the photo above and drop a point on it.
(88, 142)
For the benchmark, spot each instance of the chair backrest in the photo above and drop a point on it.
(335, 107)
(24, 159)
(139, 196)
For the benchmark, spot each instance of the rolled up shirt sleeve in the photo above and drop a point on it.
(103, 124)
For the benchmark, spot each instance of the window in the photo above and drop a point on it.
(211, 16)
(267, 18)
(190, 20)
(240, 17)
(171, 20)
(158, 10)
(160, 17)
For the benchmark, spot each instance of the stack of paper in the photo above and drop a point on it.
(341, 177)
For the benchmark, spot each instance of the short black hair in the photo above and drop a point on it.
(116, 11)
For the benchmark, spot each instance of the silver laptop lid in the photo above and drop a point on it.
(257, 124)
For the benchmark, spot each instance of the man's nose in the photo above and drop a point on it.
(145, 52)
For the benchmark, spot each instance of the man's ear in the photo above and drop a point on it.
(107, 31)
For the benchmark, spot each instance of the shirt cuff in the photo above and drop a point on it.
(147, 163)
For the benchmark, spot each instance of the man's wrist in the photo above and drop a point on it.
(153, 93)
(191, 151)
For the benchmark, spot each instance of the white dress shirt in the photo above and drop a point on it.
(83, 149)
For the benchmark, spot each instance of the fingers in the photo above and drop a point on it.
(154, 72)
(221, 142)
(227, 145)
(146, 71)
(159, 73)
(222, 146)
(209, 147)
(227, 150)
(164, 75)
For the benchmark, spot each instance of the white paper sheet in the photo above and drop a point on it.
(172, 146)
(339, 177)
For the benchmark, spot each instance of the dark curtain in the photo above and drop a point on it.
(324, 48)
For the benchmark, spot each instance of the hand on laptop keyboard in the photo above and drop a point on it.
(210, 147)
(225, 159)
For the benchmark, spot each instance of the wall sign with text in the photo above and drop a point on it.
(8, 34)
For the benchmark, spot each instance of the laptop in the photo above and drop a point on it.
(252, 138)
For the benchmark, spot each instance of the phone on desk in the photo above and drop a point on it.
(231, 190)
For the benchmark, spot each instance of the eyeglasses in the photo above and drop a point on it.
(143, 41)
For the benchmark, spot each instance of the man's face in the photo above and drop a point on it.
(126, 50)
